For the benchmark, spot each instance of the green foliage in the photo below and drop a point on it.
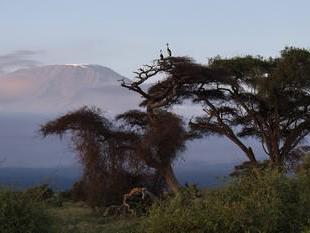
(304, 168)
(264, 201)
(43, 193)
(39, 193)
(303, 176)
(20, 214)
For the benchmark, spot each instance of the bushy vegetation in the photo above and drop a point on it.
(21, 214)
(264, 201)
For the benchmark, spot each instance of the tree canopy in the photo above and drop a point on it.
(241, 97)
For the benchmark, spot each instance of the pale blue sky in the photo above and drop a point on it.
(125, 34)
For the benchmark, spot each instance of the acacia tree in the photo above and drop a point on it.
(109, 151)
(241, 97)
(108, 169)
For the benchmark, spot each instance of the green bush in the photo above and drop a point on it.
(38, 193)
(262, 202)
(20, 214)
(303, 177)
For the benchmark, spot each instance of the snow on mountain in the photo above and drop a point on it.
(59, 88)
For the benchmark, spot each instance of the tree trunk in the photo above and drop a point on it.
(170, 179)
(247, 150)
(251, 155)
(274, 149)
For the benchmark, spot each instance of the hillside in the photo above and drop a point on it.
(60, 88)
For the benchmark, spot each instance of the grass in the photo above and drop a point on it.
(78, 218)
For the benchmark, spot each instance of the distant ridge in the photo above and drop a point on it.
(62, 178)
(20, 178)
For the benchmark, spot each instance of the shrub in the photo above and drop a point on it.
(263, 201)
(303, 177)
(38, 193)
(20, 214)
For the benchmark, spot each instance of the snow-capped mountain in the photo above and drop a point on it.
(60, 88)
(30, 97)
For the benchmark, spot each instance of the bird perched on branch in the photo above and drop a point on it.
(169, 50)
(161, 55)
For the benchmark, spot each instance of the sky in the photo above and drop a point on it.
(123, 35)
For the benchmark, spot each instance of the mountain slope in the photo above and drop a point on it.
(59, 88)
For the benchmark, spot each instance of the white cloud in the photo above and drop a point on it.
(18, 59)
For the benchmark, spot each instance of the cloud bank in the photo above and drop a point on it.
(18, 59)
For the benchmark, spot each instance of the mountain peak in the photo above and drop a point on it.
(61, 88)
(77, 65)
(96, 74)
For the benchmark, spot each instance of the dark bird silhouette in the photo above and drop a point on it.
(169, 50)
(161, 55)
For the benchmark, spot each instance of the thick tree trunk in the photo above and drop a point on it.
(170, 178)
(276, 157)
(251, 155)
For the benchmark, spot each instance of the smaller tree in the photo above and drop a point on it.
(108, 169)
(116, 157)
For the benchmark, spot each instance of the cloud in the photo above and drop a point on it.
(18, 59)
